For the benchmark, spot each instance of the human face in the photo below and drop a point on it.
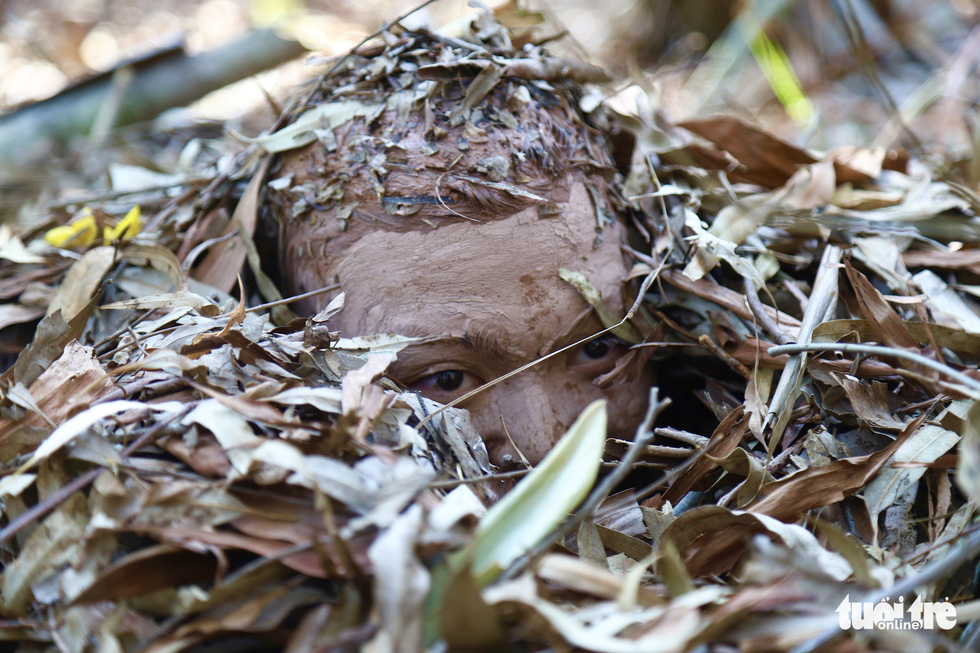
(487, 299)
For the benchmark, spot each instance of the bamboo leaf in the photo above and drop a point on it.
(538, 504)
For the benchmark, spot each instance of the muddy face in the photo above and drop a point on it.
(451, 224)
(488, 299)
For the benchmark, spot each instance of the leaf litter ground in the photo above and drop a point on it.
(181, 466)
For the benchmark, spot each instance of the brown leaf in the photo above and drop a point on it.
(207, 458)
(726, 298)
(767, 160)
(814, 487)
(726, 437)
(71, 383)
(237, 316)
(870, 402)
(887, 325)
(221, 266)
(956, 339)
(52, 334)
(305, 562)
(147, 570)
(964, 259)
(258, 411)
(859, 164)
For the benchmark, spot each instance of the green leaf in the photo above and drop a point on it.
(541, 501)
(782, 78)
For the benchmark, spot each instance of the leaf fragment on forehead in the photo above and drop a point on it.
(591, 294)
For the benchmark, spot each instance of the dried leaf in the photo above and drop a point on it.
(81, 282)
(221, 266)
(925, 445)
(809, 488)
(72, 427)
(401, 585)
(148, 570)
(302, 131)
(169, 300)
(766, 160)
(887, 325)
(711, 539)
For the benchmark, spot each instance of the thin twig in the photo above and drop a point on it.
(729, 360)
(778, 462)
(692, 439)
(669, 476)
(126, 345)
(725, 500)
(881, 350)
(445, 206)
(118, 332)
(759, 310)
(294, 298)
(443, 485)
(669, 452)
(823, 299)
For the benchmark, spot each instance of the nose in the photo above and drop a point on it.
(537, 407)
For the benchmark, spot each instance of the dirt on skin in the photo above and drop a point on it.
(449, 219)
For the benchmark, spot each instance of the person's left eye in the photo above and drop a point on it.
(446, 385)
(597, 356)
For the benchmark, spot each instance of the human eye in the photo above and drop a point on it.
(446, 385)
(597, 356)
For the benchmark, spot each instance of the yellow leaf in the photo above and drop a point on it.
(275, 13)
(782, 78)
(127, 228)
(81, 232)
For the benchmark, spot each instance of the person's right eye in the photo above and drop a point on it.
(446, 385)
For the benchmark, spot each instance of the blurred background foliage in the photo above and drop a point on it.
(820, 73)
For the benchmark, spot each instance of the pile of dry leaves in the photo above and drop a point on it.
(182, 467)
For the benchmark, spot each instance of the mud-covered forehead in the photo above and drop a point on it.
(499, 278)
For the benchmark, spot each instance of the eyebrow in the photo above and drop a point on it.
(480, 343)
